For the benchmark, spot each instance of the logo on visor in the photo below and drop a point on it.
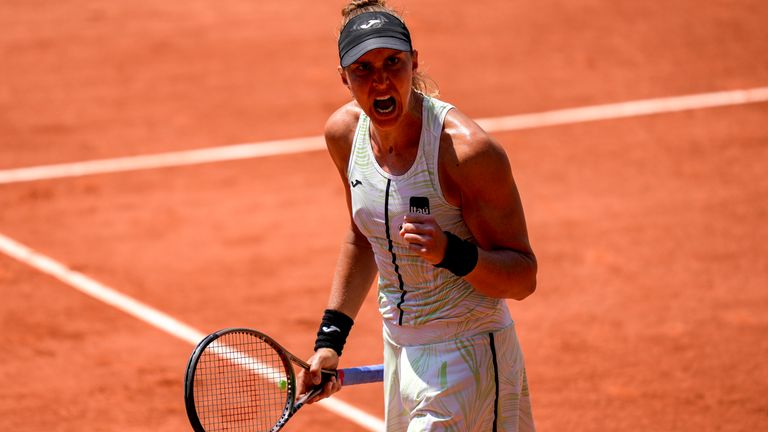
(374, 23)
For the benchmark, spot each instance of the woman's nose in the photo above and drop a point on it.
(379, 77)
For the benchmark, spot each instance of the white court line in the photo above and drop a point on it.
(163, 160)
(625, 109)
(150, 315)
(299, 145)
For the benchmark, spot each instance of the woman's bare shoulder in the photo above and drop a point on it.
(466, 145)
(466, 137)
(470, 159)
(342, 123)
(340, 131)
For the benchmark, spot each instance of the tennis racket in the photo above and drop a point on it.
(239, 379)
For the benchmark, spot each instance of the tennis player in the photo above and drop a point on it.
(435, 211)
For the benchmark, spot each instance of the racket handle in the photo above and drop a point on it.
(361, 375)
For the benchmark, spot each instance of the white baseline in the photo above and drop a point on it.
(301, 145)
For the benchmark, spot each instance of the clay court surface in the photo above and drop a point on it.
(652, 306)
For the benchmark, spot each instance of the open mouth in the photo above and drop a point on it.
(384, 105)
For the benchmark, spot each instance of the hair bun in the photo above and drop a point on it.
(360, 4)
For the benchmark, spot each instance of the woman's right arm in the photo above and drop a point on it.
(355, 267)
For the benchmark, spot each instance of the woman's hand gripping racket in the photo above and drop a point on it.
(240, 379)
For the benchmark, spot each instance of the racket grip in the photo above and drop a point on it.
(361, 375)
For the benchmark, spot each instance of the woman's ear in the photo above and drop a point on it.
(343, 76)
(414, 60)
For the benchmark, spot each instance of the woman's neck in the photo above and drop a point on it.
(402, 137)
(395, 148)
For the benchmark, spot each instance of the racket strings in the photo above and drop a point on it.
(240, 384)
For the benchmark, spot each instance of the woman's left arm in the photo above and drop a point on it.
(475, 175)
(492, 209)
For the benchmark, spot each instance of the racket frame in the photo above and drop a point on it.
(291, 405)
(348, 376)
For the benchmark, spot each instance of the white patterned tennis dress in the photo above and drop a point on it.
(452, 361)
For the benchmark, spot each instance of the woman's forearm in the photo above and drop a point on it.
(504, 274)
(355, 270)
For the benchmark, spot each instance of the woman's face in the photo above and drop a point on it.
(380, 81)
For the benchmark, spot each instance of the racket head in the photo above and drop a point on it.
(239, 379)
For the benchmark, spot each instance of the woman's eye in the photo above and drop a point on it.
(393, 61)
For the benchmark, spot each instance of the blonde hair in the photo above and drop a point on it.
(421, 82)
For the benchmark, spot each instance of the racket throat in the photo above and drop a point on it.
(306, 397)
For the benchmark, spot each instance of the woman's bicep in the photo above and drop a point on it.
(490, 200)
